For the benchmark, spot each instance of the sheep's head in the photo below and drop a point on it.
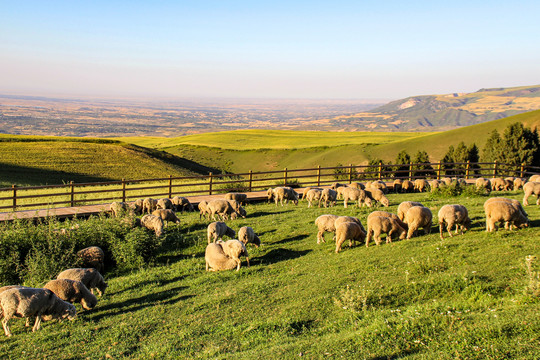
(89, 303)
(402, 233)
(385, 201)
(368, 202)
(256, 241)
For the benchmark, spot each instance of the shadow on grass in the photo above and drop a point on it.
(397, 355)
(278, 255)
(294, 238)
(149, 282)
(266, 213)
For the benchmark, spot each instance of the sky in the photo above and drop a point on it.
(266, 49)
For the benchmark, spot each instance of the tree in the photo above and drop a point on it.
(490, 153)
(422, 167)
(519, 145)
(403, 160)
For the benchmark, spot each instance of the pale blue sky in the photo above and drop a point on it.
(277, 49)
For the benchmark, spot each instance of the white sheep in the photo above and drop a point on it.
(342, 219)
(498, 184)
(407, 186)
(217, 260)
(91, 278)
(358, 195)
(531, 188)
(388, 215)
(404, 207)
(154, 223)
(325, 223)
(222, 208)
(535, 178)
(92, 257)
(328, 197)
(149, 205)
(313, 195)
(454, 214)
(234, 249)
(239, 210)
(503, 212)
(283, 193)
(447, 181)
(377, 195)
(420, 185)
(166, 215)
(396, 185)
(246, 234)
(72, 291)
(306, 189)
(164, 204)
(518, 183)
(217, 230)
(348, 231)
(418, 217)
(357, 185)
(483, 184)
(182, 204)
(137, 206)
(31, 302)
(203, 209)
(513, 202)
(240, 197)
(119, 208)
(378, 225)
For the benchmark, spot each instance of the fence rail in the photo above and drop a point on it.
(76, 194)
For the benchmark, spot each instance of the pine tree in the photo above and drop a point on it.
(491, 150)
(422, 167)
(403, 160)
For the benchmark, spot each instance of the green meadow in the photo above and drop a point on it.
(467, 297)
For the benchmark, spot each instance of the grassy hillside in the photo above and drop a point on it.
(466, 297)
(26, 160)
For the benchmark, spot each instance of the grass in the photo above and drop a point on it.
(466, 297)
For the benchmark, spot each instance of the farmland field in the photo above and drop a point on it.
(470, 296)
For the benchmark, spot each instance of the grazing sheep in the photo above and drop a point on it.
(306, 190)
(239, 210)
(164, 204)
(325, 223)
(356, 195)
(283, 193)
(203, 210)
(181, 204)
(531, 188)
(514, 203)
(357, 185)
(217, 260)
(378, 184)
(378, 225)
(313, 195)
(234, 249)
(240, 197)
(447, 181)
(453, 215)
(503, 212)
(407, 186)
(418, 217)
(420, 185)
(217, 229)
(166, 215)
(154, 223)
(336, 185)
(388, 215)
(340, 191)
(518, 184)
(348, 231)
(404, 207)
(328, 197)
(72, 291)
(483, 184)
(137, 206)
(149, 205)
(378, 196)
(247, 235)
(222, 208)
(119, 208)
(498, 184)
(435, 184)
(397, 185)
(91, 278)
(534, 178)
(30, 302)
(342, 219)
(92, 257)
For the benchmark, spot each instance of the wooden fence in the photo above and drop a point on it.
(76, 194)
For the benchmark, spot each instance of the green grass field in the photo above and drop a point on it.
(466, 297)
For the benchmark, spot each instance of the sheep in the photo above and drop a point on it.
(313, 195)
(217, 260)
(239, 210)
(357, 185)
(152, 222)
(283, 193)
(247, 235)
(328, 197)
(342, 219)
(407, 186)
(535, 178)
(378, 184)
(404, 206)
(378, 225)
(336, 185)
(356, 195)
(149, 205)
(91, 278)
(502, 211)
(397, 185)
(348, 231)
(420, 185)
(306, 190)
(378, 196)
(498, 184)
(234, 249)
(203, 209)
(531, 188)
(92, 257)
(435, 184)
(340, 191)
(181, 204)
(483, 184)
(164, 204)
(453, 215)
(388, 215)
(118, 208)
(30, 302)
(222, 208)
(137, 206)
(514, 203)
(518, 184)
(217, 229)
(325, 223)
(418, 217)
(240, 197)
(447, 181)
(72, 291)
(166, 215)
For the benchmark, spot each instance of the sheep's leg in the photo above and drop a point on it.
(345, 202)
(427, 229)
(526, 199)
(441, 231)
(410, 232)
(320, 236)
(37, 324)
(389, 237)
(339, 242)
(449, 228)
(368, 237)
(5, 326)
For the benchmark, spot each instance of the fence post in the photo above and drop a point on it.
(410, 171)
(72, 193)
(467, 169)
(380, 170)
(319, 175)
(123, 190)
(350, 173)
(250, 180)
(170, 186)
(439, 171)
(209, 183)
(285, 177)
(522, 170)
(495, 169)
(14, 187)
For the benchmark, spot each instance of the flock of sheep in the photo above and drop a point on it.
(78, 285)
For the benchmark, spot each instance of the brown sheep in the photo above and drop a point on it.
(72, 291)
(92, 257)
(91, 278)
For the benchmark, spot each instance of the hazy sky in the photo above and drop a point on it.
(279, 49)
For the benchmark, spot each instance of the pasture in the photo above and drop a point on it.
(466, 297)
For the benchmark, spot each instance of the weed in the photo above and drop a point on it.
(533, 275)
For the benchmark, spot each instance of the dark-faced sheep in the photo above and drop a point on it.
(503, 212)
(166, 215)
(348, 231)
(418, 217)
(378, 225)
(246, 234)
(217, 230)
(451, 215)
(31, 302)
(91, 278)
(325, 223)
(328, 197)
(531, 188)
(154, 223)
(72, 291)
(92, 257)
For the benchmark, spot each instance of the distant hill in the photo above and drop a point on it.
(442, 112)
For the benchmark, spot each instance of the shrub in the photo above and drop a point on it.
(135, 250)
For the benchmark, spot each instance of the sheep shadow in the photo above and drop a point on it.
(149, 282)
(278, 255)
(294, 238)
(266, 213)
(266, 232)
(397, 355)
